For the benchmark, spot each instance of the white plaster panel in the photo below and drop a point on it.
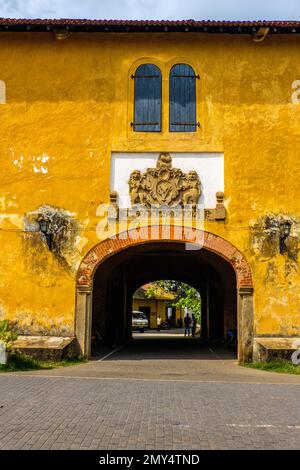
(209, 166)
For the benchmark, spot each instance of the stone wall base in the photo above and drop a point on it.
(267, 349)
(53, 348)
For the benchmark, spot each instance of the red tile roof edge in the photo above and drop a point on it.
(210, 24)
(145, 22)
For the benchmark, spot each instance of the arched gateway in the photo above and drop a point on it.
(217, 268)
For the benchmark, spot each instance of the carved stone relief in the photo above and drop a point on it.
(164, 185)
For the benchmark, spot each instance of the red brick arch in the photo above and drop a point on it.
(209, 241)
(206, 240)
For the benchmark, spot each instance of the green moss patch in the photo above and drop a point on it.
(278, 365)
(22, 362)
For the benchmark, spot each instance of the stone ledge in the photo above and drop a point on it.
(266, 348)
(46, 347)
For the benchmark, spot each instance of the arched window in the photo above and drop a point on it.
(147, 98)
(183, 98)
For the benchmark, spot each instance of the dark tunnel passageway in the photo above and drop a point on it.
(119, 276)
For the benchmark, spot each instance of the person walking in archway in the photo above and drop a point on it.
(187, 324)
(193, 325)
(158, 322)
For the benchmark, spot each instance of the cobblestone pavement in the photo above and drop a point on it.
(68, 411)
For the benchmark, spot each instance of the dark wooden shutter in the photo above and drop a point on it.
(147, 99)
(182, 99)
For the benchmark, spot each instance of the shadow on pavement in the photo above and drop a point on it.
(171, 347)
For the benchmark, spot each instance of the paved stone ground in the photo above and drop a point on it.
(81, 407)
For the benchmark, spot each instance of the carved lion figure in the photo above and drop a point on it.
(135, 187)
(191, 189)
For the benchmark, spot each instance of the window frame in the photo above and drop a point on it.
(160, 122)
(195, 77)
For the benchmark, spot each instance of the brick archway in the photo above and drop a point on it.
(210, 242)
(123, 240)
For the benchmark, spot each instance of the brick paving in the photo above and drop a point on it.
(40, 411)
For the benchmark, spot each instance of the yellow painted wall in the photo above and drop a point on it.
(69, 104)
(157, 307)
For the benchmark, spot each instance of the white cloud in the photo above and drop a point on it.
(152, 9)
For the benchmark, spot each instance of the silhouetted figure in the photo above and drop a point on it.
(96, 340)
(193, 325)
(232, 338)
(187, 324)
(158, 323)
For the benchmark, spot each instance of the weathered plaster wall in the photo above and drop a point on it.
(69, 105)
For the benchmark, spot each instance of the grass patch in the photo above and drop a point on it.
(276, 365)
(22, 362)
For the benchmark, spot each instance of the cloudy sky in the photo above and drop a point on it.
(152, 9)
